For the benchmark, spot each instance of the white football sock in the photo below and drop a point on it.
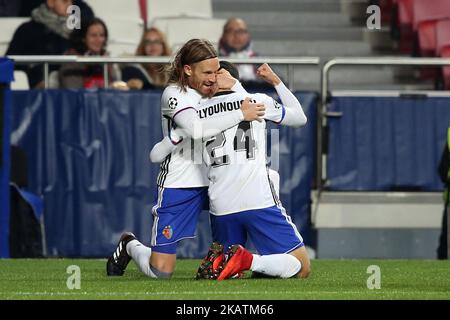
(141, 256)
(276, 265)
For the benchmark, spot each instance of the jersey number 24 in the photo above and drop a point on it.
(243, 141)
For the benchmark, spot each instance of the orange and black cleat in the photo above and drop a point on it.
(237, 260)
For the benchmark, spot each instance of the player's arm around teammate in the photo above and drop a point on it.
(163, 148)
(293, 115)
(225, 81)
(204, 79)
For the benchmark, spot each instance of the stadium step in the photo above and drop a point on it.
(306, 33)
(353, 78)
(321, 48)
(379, 40)
(296, 19)
(279, 5)
(359, 225)
(323, 28)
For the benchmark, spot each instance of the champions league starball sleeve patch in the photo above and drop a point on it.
(173, 103)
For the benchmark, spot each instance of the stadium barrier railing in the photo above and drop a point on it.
(417, 200)
(289, 62)
(325, 93)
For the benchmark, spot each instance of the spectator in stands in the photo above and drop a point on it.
(46, 34)
(27, 6)
(235, 42)
(90, 40)
(148, 75)
(444, 173)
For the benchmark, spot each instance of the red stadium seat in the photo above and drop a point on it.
(405, 21)
(442, 35)
(143, 10)
(386, 7)
(425, 16)
(445, 53)
(405, 12)
(443, 47)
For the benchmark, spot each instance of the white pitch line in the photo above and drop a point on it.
(377, 292)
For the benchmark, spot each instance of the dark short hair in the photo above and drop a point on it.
(231, 68)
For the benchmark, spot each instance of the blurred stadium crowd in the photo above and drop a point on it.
(112, 28)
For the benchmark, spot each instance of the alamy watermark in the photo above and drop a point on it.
(374, 280)
(373, 22)
(74, 17)
(74, 278)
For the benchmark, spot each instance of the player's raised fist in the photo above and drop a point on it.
(265, 72)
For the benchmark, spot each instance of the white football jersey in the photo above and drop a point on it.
(183, 168)
(236, 158)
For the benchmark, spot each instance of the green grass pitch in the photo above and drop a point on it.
(330, 279)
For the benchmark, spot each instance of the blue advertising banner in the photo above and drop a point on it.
(387, 143)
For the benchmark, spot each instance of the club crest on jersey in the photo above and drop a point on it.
(167, 232)
(173, 103)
